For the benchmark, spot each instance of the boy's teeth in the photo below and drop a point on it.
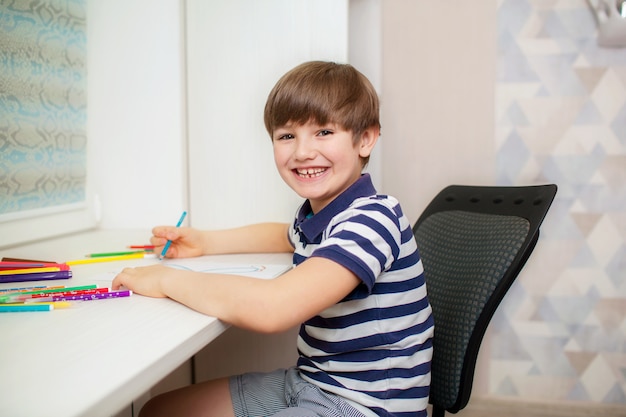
(310, 172)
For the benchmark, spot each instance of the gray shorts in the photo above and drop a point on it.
(283, 393)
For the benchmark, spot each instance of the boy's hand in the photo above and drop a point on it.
(186, 241)
(143, 280)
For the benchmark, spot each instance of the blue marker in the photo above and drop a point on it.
(16, 308)
(169, 242)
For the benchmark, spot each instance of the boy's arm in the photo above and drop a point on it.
(255, 238)
(188, 242)
(265, 306)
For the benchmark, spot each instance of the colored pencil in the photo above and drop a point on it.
(31, 265)
(19, 265)
(70, 292)
(169, 242)
(23, 289)
(110, 258)
(36, 276)
(8, 259)
(29, 270)
(55, 304)
(59, 289)
(84, 297)
(18, 298)
(15, 308)
(146, 247)
(100, 255)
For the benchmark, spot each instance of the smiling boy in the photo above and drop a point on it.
(357, 287)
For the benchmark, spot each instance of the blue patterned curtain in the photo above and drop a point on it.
(43, 104)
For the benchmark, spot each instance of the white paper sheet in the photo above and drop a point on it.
(264, 271)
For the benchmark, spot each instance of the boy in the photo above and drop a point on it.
(357, 288)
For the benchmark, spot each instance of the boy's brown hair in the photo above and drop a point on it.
(323, 92)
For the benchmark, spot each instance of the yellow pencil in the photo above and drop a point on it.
(110, 258)
(55, 304)
(29, 270)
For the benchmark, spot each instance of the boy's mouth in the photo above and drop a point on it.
(310, 172)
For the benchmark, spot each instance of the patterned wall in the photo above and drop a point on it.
(561, 118)
(43, 103)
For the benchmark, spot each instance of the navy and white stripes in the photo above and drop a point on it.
(373, 348)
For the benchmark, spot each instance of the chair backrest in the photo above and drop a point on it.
(473, 242)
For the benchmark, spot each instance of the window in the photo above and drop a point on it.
(43, 120)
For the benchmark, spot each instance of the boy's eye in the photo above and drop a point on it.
(285, 136)
(325, 132)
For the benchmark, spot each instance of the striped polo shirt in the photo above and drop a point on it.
(373, 348)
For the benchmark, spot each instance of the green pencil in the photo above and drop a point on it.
(7, 297)
(101, 255)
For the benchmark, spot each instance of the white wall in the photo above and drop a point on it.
(439, 71)
(237, 50)
(135, 104)
(365, 54)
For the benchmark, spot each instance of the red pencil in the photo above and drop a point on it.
(28, 265)
(75, 292)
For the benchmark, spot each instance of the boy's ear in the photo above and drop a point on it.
(368, 139)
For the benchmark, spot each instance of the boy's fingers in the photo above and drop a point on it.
(158, 241)
(162, 234)
(160, 231)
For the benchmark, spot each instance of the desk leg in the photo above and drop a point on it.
(181, 377)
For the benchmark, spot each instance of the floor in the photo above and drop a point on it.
(502, 408)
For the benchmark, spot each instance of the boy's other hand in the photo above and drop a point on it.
(186, 241)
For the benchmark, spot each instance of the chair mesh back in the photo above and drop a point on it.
(465, 256)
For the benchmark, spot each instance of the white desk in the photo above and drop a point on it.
(96, 358)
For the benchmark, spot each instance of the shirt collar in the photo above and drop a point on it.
(311, 228)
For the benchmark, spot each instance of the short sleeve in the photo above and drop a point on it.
(365, 239)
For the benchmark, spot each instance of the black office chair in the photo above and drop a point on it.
(473, 241)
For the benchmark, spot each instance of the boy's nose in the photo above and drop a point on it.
(305, 149)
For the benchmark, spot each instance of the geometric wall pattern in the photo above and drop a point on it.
(560, 101)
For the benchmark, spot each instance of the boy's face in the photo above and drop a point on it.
(320, 162)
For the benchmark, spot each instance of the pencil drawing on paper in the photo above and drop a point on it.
(247, 269)
(224, 269)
